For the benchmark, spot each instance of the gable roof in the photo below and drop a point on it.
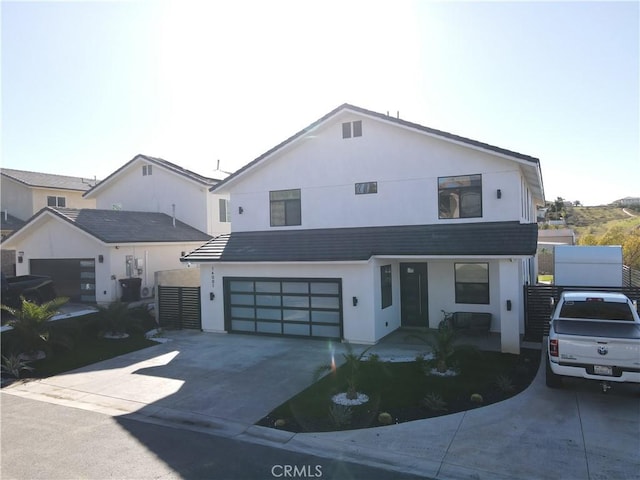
(47, 180)
(177, 169)
(532, 164)
(361, 243)
(121, 226)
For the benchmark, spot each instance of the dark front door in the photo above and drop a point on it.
(413, 295)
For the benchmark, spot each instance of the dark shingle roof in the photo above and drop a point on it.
(387, 118)
(48, 180)
(206, 181)
(361, 243)
(121, 226)
(9, 222)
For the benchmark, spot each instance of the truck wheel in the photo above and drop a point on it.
(552, 380)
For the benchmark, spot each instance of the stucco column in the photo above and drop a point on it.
(509, 292)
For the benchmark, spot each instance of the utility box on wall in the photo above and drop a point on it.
(588, 266)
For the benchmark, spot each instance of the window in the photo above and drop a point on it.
(224, 210)
(385, 286)
(460, 197)
(146, 170)
(357, 128)
(285, 208)
(472, 283)
(366, 187)
(350, 129)
(53, 201)
(346, 130)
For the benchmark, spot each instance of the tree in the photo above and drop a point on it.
(628, 240)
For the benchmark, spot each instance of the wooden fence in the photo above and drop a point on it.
(538, 306)
(179, 307)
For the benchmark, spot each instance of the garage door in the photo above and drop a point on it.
(278, 306)
(72, 277)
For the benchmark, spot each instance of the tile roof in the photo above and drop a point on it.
(432, 131)
(48, 180)
(206, 181)
(121, 226)
(361, 243)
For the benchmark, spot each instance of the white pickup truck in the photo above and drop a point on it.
(594, 335)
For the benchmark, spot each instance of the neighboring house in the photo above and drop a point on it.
(25, 193)
(148, 184)
(89, 252)
(362, 223)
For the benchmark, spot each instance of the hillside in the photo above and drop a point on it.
(597, 220)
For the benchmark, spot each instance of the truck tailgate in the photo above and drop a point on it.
(599, 343)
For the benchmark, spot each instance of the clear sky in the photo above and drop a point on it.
(88, 85)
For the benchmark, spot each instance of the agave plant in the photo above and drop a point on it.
(30, 322)
(14, 365)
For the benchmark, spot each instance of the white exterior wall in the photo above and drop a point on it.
(17, 199)
(368, 322)
(157, 192)
(356, 282)
(405, 164)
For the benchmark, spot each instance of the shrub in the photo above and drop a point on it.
(434, 402)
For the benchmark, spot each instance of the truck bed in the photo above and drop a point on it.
(605, 329)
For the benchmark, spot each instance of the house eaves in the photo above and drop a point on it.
(159, 162)
(529, 164)
(47, 180)
(494, 239)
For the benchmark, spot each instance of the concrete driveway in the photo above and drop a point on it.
(223, 384)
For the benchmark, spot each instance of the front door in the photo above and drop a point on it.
(413, 295)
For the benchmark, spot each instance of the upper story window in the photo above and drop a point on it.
(285, 208)
(352, 129)
(366, 187)
(53, 201)
(225, 216)
(146, 170)
(460, 196)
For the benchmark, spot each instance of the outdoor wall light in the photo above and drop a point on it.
(20, 256)
(240, 210)
(499, 193)
(212, 296)
(508, 305)
(355, 301)
(100, 258)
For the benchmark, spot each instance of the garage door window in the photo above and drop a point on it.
(299, 307)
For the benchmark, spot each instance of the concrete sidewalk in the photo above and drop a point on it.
(223, 384)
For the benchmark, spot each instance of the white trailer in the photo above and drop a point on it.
(588, 266)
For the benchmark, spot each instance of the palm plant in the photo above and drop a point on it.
(352, 365)
(14, 365)
(442, 343)
(30, 322)
(115, 318)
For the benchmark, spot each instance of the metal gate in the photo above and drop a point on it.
(179, 307)
(538, 307)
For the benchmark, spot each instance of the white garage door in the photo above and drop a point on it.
(284, 306)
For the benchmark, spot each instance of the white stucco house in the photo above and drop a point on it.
(362, 223)
(146, 215)
(150, 184)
